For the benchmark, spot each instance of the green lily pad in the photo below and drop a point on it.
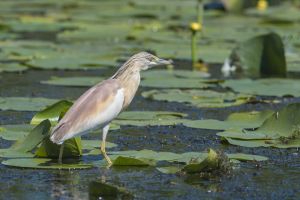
(169, 169)
(174, 83)
(149, 118)
(265, 87)
(261, 55)
(72, 148)
(198, 98)
(95, 144)
(23, 147)
(24, 103)
(158, 74)
(15, 131)
(234, 121)
(98, 190)
(210, 163)
(246, 157)
(52, 112)
(43, 163)
(12, 67)
(279, 130)
(73, 81)
(128, 161)
(284, 13)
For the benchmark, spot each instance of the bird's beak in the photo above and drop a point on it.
(160, 62)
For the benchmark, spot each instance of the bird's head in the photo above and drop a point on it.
(145, 60)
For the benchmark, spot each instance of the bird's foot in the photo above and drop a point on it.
(109, 162)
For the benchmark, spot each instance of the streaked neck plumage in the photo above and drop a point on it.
(129, 77)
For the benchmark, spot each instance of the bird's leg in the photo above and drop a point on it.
(61, 151)
(105, 131)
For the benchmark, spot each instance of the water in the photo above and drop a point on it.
(278, 178)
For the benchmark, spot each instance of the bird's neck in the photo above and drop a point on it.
(130, 83)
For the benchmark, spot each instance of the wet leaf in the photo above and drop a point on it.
(52, 112)
(98, 190)
(149, 118)
(43, 163)
(265, 87)
(73, 81)
(72, 148)
(198, 98)
(12, 67)
(129, 161)
(23, 147)
(280, 130)
(15, 131)
(210, 163)
(246, 157)
(234, 121)
(24, 103)
(261, 55)
(95, 144)
(169, 170)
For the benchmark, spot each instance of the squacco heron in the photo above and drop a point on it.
(99, 105)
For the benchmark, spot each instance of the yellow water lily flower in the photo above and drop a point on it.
(262, 5)
(195, 26)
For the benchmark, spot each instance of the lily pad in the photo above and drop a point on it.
(73, 81)
(24, 103)
(128, 161)
(72, 148)
(280, 130)
(15, 131)
(12, 67)
(52, 112)
(98, 190)
(261, 55)
(234, 121)
(198, 98)
(265, 87)
(23, 147)
(43, 163)
(149, 118)
(95, 144)
(157, 74)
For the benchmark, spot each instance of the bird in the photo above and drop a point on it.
(102, 103)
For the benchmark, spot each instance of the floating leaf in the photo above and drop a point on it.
(73, 81)
(72, 148)
(25, 104)
(261, 55)
(12, 67)
(15, 131)
(149, 118)
(246, 157)
(52, 112)
(234, 121)
(266, 87)
(280, 130)
(169, 169)
(22, 147)
(98, 190)
(43, 163)
(128, 161)
(199, 98)
(210, 163)
(95, 144)
(158, 74)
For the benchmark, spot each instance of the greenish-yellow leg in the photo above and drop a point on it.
(61, 151)
(103, 151)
